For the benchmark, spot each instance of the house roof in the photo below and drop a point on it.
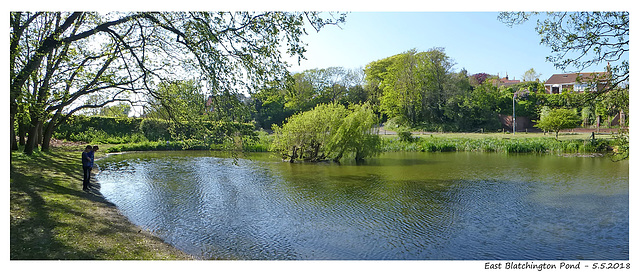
(572, 78)
(505, 81)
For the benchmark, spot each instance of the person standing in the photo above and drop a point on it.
(87, 164)
(93, 152)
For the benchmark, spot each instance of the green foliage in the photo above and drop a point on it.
(100, 129)
(180, 100)
(269, 108)
(621, 145)
(137, 130)
(329, 131)
(231, 51)
(582, 39)
(214, 132)
(558, 119)
(526, 145)
(119, 110)
(531, 75)
(317, 86)
(305, 135)
(260, 143)
(419, 89)
(404, 135)
(475, 109)
(354, 136)
(416, 85)
(155, 129)
(304, 90)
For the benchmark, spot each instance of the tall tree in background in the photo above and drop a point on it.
(316, 86)
(582, 39)
(415, 85)
(57, 59)
(531, 75)
(176, 100)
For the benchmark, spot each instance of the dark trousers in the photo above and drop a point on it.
(87, 177)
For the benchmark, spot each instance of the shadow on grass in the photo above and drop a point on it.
(32, 234)
(53, 219)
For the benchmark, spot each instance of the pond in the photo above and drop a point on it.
(398, 206)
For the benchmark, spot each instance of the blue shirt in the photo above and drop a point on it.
(87, 159)
(91, 156)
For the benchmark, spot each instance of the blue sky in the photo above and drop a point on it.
(476, 41)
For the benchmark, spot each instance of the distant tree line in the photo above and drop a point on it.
(423, 90)
(66, 63)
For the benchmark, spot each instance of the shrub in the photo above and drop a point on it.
(404, 135)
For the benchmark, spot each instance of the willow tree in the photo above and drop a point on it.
(58, 59)
(328, 132)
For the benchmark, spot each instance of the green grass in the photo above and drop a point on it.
(518, 135)
(51, 218)
(497, 142)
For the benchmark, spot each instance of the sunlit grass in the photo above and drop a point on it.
(52, 218)
(518, 135)
(498, 142)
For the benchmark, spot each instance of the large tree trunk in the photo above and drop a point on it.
(33, 137)
(48, 132)
(14, 144)
(22, 133)
(39, 134)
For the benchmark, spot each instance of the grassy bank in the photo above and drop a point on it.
(437, 142)
(503, 143)
(52, 218)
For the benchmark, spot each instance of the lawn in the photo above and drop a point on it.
(518, 135)
(51, 218)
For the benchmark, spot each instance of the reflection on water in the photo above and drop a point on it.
(451, 206)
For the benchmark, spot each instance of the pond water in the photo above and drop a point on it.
(407, 206)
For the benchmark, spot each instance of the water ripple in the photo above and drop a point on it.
(216, 207)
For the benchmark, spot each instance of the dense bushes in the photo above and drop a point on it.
(214, 131)
(110, 130)
(98, 129)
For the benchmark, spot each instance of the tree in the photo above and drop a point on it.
(558, 119)
(119, 110)
(268, 106)
(531, 75)
(416, 86)
(57, 59)
(479, 78)
(305, 135)
(316, 86)
(476, 109)
(179, 100)
(583, 39)
(329, 131)
(354, 135)
(373, 77)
